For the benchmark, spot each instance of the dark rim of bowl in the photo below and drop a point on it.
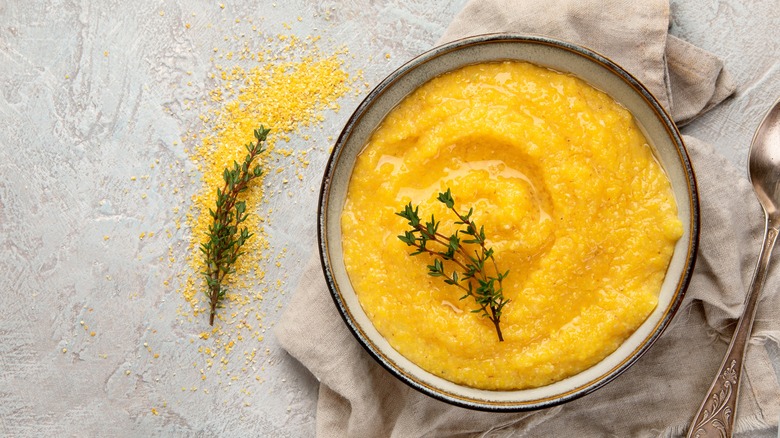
(592, 385)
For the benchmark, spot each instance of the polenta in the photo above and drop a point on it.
(572, 200)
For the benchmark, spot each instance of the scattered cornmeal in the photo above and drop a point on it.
(285, 87)
(573, 203)
(283, 95)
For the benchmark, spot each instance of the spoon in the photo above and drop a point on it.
(718, 411)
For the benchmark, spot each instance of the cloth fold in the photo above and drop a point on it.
(659, 395)
(633, 34)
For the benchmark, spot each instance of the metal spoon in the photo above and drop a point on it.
(718, 411)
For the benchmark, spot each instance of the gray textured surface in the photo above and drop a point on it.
(93, 93)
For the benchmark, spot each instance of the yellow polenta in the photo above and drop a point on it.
(573, 203)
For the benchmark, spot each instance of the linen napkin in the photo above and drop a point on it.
(660, 394)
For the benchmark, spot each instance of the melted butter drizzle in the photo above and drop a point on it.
(494, 168)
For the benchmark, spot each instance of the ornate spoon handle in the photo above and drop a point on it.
(718, 411)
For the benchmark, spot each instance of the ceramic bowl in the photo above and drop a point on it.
(601, 73)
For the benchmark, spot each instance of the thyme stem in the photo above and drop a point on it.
(487, 290)
(225, 237)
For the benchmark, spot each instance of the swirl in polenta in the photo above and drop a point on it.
(572, 201)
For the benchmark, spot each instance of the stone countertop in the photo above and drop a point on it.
(96, 103)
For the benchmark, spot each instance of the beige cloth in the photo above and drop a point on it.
(659, 395)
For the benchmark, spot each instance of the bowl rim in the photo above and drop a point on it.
(581, 390)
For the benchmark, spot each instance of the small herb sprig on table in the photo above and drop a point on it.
(488, 292)
(225, 239)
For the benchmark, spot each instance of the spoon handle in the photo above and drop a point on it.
(718, 411)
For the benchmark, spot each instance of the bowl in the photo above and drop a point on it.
(599, 72)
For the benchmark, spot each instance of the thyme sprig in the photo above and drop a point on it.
(225, 236)
(473, 279)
